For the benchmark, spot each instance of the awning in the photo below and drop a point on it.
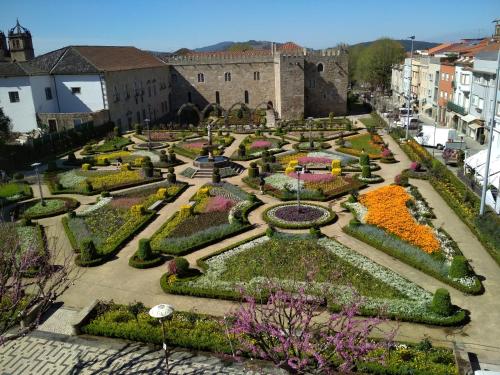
(469, 118)
(475, 126)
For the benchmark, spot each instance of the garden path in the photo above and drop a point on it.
(116, 280)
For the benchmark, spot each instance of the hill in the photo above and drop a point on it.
(417, 44)
(225, 46)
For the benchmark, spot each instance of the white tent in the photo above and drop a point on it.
(477, 159)
(494, 169)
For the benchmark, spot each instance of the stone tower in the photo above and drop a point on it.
(4, 48)
(20, 43)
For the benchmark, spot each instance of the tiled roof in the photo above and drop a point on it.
(289, 46)
(11, 69)
(439, 48)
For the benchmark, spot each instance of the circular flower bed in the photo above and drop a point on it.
(149, 146)
(295, 217)
(53, 206)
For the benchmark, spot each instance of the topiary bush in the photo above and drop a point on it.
(253, 171)
(401, 180)
(364, 159)
(242, 151)
(365, 171)
(88, 251)
(178, 266)
(459, 267)
(172, 178)
(144, 252)
(441, 302)
(147, 168)
(270, 231)
(172, 158)
(315, 232)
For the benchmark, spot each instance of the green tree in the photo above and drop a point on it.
(5, 125)
(373, 64)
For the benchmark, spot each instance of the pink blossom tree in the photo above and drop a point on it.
(31, 279)
(297, 334)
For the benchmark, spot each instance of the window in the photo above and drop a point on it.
(189, 96)
(201, 77)
(440, 94)
(14, 96)
(312, 83)
(154, 90)
(256, 76)
(480, 104)
(138, 116)
(246, 97)
(76, 90)
(445, 95)
(48, 93)
(320, 67)
(217, 97)
(227, 76)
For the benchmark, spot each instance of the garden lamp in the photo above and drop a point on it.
(162, 312)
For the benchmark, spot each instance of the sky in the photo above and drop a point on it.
(167, 25)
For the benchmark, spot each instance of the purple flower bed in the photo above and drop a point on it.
(261, 144)
(293, 214)
(219, 204)
(314, 160)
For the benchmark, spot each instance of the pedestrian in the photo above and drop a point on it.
(262, 182)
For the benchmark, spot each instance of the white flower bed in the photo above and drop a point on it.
(70, 179)
(237, 209)
(155, 158)
(280, 181)
(360, 211)
(101, 203)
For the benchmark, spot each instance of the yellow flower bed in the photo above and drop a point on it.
(120, 178)
(286, 159)
(100, 159)
(387, 209)
(161, 193)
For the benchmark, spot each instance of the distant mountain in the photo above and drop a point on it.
(417, 44)
(225, 46)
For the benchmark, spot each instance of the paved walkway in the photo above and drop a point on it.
(116, 280)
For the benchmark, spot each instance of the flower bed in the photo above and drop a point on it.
(317, 135)
(313, 186)
(80, 181)
(166, 135)
(53, 207)
(15, 191)
(314, 159)
(316, 146)
(393, 221)
(356, 144)
(110, 144)
(193, 148)
(219, 211)
(291, 216)
(112, 221)
(255, 145)
(288, 259)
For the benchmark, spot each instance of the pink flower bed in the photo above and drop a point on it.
(261, 144)
(386, 153)
(218, 204)
(198, 144)
(313, 177)
(314, 160)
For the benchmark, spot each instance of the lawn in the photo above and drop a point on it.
(113, 143)
(397, 220)
(51, 207)
(291, 259)
(364, 142)
(218, 211)
(15, 191)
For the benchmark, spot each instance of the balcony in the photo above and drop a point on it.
(456, 108)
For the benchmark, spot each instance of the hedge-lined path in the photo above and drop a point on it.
(116, 280)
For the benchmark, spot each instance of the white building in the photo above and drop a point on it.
(82, 84)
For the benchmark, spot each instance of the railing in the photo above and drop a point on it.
(456, 108)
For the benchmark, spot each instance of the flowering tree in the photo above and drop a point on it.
(31, 279)
(294, 332)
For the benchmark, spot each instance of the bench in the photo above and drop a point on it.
(155, 205)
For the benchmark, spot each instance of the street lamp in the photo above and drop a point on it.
(36, 165)
(146, 120)
(298, 169)
(162, 312)
(409, 89)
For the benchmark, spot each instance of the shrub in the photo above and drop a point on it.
(266, 167)
(315, 232)
(216, 176)
(117, 131)
(242, 150)
(354, 222)
(147, 168)
(88, 188)
(138, 129)
(18, 176)
(441, 302)
(171, 177)
(88, 251)
(85, 166)
(144, 252)
(459, 268)
(365, 171)
(178, 266)
(401, 180)
(415, 166)
(172, 158)
(364, 159)
(105, 194)
(270, 231)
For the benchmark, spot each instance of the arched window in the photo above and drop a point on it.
(201, 77)
(246, 97)
(217, 97)
(227, 76)
(320, 67)
(189, 96)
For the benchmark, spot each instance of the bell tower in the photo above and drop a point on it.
(20, 43)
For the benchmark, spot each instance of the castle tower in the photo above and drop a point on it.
(20, 43)
(4, 49)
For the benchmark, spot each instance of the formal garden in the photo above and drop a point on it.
(253, 146)
(370, 143)
(217, 211)
(15, 191)
(160, 135)
(112, 142)
(197, 146)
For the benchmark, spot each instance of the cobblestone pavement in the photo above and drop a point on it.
(58, 354)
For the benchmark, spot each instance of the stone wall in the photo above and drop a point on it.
(66, 121)
(291, 86)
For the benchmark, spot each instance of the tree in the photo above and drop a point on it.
(373, 64)
(31, 279)
(294, 332)
(5, 125)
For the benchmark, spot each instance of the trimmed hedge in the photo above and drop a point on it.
(269, 220)
(136, 262)
(70, 205)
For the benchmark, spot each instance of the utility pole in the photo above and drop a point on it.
(408, 100)
(490, 138)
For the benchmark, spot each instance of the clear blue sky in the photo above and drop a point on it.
(166, 25)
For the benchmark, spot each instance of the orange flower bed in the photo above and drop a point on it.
(387, 209)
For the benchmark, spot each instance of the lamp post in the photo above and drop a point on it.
(162, 312)
(408, 100)
(490, 138)
(298, 169)
(146, 120)
(36, 165)
(310, 122)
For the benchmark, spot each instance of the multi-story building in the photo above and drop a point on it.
(446, 89)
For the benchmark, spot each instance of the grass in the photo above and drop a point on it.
(12, 189)
(113, 144)
(360, 142)
(291, 260)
